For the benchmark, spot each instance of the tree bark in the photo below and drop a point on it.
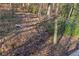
(39, 12)
(56, 27)
(49, 10)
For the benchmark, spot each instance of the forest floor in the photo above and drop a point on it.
(38, 43)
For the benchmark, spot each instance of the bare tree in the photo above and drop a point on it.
(40, 7)
(49, 10)
(56, 27)
(28, 4)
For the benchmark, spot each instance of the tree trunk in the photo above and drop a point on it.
(55, 32)
(56, 27)
(10, 6)
(39, 12)
(28, 6)
(49, 9)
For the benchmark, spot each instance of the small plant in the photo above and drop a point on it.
(50, 27)
(75, 29)
(33, 9)
(68, 28)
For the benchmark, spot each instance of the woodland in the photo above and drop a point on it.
(39, 29)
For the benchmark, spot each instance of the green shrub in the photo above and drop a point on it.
(68, 28)
(50, 27)
(75, 29)
(33, 9)
(72, 28)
